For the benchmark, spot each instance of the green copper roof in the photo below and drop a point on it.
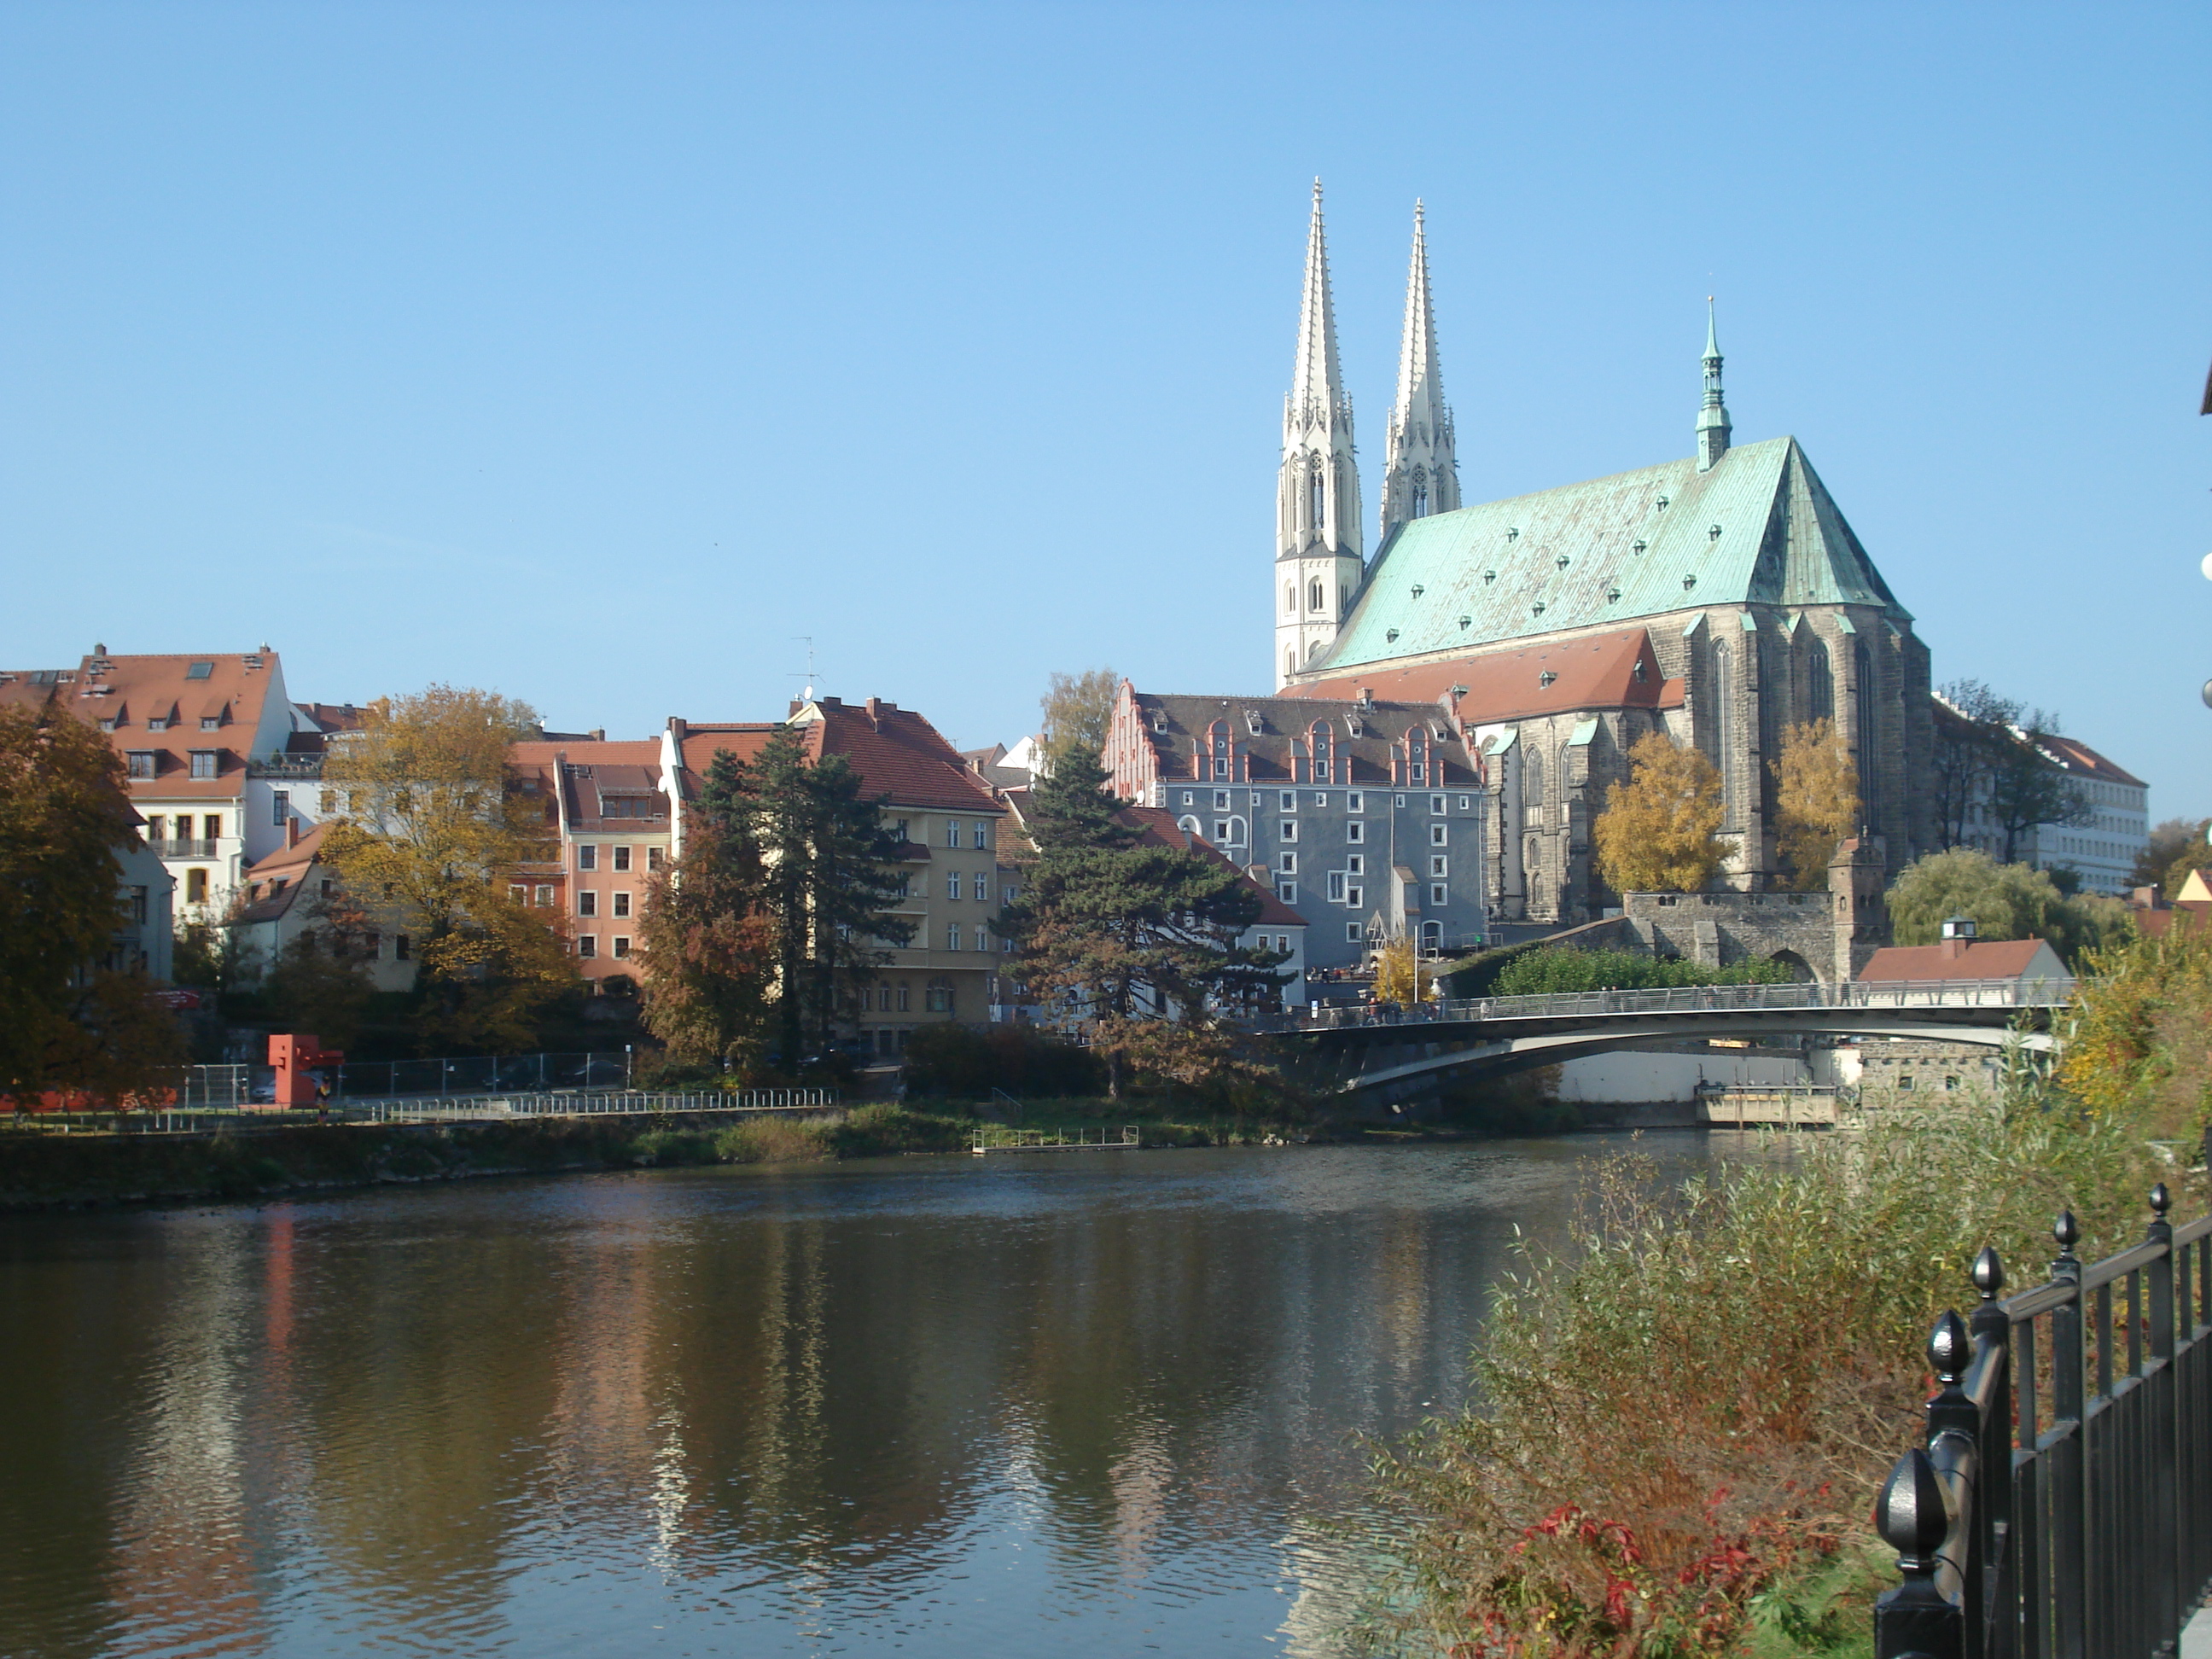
(1607, 551)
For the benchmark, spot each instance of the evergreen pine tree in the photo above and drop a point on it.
(1136, 938)
(855, 884)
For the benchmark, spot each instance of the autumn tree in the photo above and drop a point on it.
(1078, 709)
(1816, 802)
(2004, 900)
(2174, 849)
(1137, 940)
(1658, 831)
(74, 1020)
(707, 942)
(432, 820)
(1400, 975)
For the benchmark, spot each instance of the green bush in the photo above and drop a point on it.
(1539, 973)
(960, 1062)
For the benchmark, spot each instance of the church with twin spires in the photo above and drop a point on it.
(1721, 597)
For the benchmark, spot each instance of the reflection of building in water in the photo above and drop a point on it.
(1336, 1574)
(183, 1557)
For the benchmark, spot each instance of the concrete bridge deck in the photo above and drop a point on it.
(1505, 1034)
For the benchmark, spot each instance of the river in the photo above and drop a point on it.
(1086, 1404)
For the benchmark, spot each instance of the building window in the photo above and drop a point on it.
(587, 945)
(107, 724)
(904, 1004)
(403, 948)
(622, 944)
(656, 858)
(982, 836)
(1439, 835)
(952, 936)
(1288, 800)
(138, 905)
(1188, 798)
(1287, 863)
(203, 762)
(1820, 683)
(622, 858)
(211, 722)
(983, 889)
(1355, 895)
(588, 856)
(1439, 894)
(517, 893)
(1317, 592)
(1355, 801)
(587, 903)
(952, 832)
(280, 807)
(154, 827)
(196, 886)
(545, 896)
(1318, 744)
(941, 996)
(1355, 832)
(1466, 802)
(1400, 800)
(1221, 801)
(1290, 598)
(1336, 887)
(1865, 736)
(1352, 934)
(1435, 803)
(1221, 837)
(1289, 828)
(156, 723)
(1287, 891)
(622, 907)
(952, 884)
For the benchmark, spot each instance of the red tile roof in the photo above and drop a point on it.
(2079, 759)
(896, 752)
(231, 690)
(2010, 958)
(1591, 671)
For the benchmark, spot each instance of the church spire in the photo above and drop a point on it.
(1420, 471)
(1713, 418)
(1317, 553)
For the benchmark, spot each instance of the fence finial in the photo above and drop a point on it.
(1911, 1514)
(1988, 1273)
(2161, 1201)
(2068, 1232)
(1948, 1351)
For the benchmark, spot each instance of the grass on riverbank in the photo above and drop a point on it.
(1686, 1417)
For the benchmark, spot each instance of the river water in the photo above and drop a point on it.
(1087, 1404)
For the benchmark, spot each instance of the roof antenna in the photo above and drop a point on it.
(807, 695)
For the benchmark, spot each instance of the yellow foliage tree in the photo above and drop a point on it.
(432, 823)
(1656, 833)
(1816, 802)
(1400, 975)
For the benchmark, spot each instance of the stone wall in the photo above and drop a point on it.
(1821, 936)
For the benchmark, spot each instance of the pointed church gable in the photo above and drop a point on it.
(1757, 528)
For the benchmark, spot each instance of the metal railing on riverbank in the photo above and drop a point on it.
(2061, 1506)
(479, 1109)
(1939, 993)
(993, 1139)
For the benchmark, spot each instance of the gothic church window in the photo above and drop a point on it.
(1290, 598)
(1723, 729)
(1862, 664)
(1819, 684)
(1532, 780)
(1316, 596)
(1316, 499)
(1420, 508)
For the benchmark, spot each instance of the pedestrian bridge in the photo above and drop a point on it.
(1384, 1047)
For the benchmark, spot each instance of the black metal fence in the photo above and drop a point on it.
(2062, 1505)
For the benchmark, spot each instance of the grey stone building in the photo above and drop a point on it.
(1368, 816)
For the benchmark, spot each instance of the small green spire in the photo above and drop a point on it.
(1713, 418)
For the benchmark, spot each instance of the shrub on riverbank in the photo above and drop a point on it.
(1539, 973)
(1683, 1422)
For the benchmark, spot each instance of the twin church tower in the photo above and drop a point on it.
(1318, 555)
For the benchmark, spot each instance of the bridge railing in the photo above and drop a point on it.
(2061, 1504)
(1700, 999)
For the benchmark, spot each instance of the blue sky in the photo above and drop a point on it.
(597, 353)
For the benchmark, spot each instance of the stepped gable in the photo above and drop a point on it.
(1614, 670)
(1567, 559)
(1269, 738)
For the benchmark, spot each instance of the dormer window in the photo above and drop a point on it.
(140, 762)
(206, 762)
(1252, 723)
(1546, 680)
(1638, 671)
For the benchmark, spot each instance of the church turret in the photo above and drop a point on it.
(1713, 418)
(1420, 471)
(1317, 553)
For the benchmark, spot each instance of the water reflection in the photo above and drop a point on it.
(1090, 1406)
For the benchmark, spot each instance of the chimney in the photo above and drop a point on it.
(291, 832)
(1367, 696)
(1958, 935)
(2145, 898)
(679, 729)
(875, 710)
